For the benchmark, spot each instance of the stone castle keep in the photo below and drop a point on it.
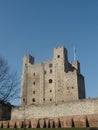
(53, 96)
(53, 81)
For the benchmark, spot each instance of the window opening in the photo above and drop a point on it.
(33, 92)
(50, 90)
(50, 71)
(58, 56)
(50, 65)
(33, 83)
(50, 80)
(23, 99)
(45, 72)
(33, 99)
(50, 99)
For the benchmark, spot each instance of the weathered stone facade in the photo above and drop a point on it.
(53, 81)
(54, 110)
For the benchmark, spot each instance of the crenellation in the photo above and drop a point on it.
(28, 59)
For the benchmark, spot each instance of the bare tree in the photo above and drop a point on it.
(8, 82)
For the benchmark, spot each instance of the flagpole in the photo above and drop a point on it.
(74, 51)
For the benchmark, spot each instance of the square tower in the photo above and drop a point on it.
(53, 81)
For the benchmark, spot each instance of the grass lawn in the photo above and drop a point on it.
(49, 128)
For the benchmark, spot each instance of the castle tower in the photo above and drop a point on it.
(60, 58)
(53, 81)
(28, 59)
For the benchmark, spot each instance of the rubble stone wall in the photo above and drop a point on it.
(53, 110)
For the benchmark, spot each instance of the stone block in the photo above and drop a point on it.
(41, 123)
(66, 122)
(5, 124)
(92, 120)
(56, 122)
(79, 121)
(47, 123)
(51, 123)
(34, 123)
(62, 123)
(19, 124)
(27, 123)
(12, 124)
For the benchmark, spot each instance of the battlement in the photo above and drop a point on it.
(28, 59)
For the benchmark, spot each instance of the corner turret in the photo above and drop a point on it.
(26, 60)
(76, 65)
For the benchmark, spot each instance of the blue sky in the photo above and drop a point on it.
(37, 26)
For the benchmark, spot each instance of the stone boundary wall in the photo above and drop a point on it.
(62, 122)
(63, 109)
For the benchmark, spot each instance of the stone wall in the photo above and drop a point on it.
(53, 110)
(61, 122)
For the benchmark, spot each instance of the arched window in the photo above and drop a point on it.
(58, 56)
(33, 99)
(50, 81)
